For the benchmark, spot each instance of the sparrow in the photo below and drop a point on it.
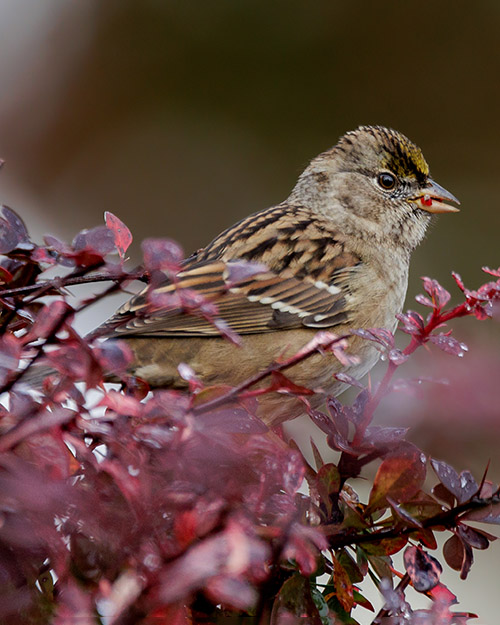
(336, 253)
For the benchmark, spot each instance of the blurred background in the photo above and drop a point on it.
(183, 117)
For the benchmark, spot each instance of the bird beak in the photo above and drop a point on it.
(432, 199)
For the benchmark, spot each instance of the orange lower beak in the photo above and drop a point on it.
(432, 199)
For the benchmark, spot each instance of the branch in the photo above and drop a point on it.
(72, 280)
(447, 519)
(306, 352)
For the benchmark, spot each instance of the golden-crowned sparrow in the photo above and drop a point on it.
(337, 250)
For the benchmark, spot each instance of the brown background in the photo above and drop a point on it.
(182, 117)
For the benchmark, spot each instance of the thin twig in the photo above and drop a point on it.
(72, 280)
(258, 377)
(446, 519)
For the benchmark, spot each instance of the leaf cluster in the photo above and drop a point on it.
(120, 505)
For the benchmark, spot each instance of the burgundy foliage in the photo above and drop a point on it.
(123, 506)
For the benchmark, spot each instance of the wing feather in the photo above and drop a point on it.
(304, 286)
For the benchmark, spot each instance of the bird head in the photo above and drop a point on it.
(377, 182)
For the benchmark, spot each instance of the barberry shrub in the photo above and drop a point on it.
(119, 505)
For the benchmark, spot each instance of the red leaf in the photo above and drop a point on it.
(378, 335)
(5, 275)
(440, 296)
(49, 453)
(399, 476)
(456, 276)
(361, 600)
(343, 586)
(442, 594)
(442, 493)
(492, 272)
(449, 344)
(47, 320)
(74, 362)
(453, 552)
(413, 322)
(122, 235)
(424, 300)
(381, 437)
(28, 428)
(427, 538)
(122, 404)
(281, 384)
(488, 514)
(423, 569)
(328, 483)
(10, 354)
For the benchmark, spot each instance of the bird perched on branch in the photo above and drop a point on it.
(337, 253)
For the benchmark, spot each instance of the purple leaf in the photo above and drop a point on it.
(378, 335)
(12, 230)
(10, 354)
(397, 357)
(473, 537)
(449, 344)
(423, 569)
(162, 255)
(348, 379)
(468, 487)
(338, 417)
(463, 486)
(380, 436)
(453, 552)
(47, 319)
(424, 300)
(99, 240)
(413, 322)
(114, 356)
(239, 271)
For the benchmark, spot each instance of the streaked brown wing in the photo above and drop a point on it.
(263, 303)
(305, 286)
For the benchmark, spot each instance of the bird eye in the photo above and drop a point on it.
(387, 181)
